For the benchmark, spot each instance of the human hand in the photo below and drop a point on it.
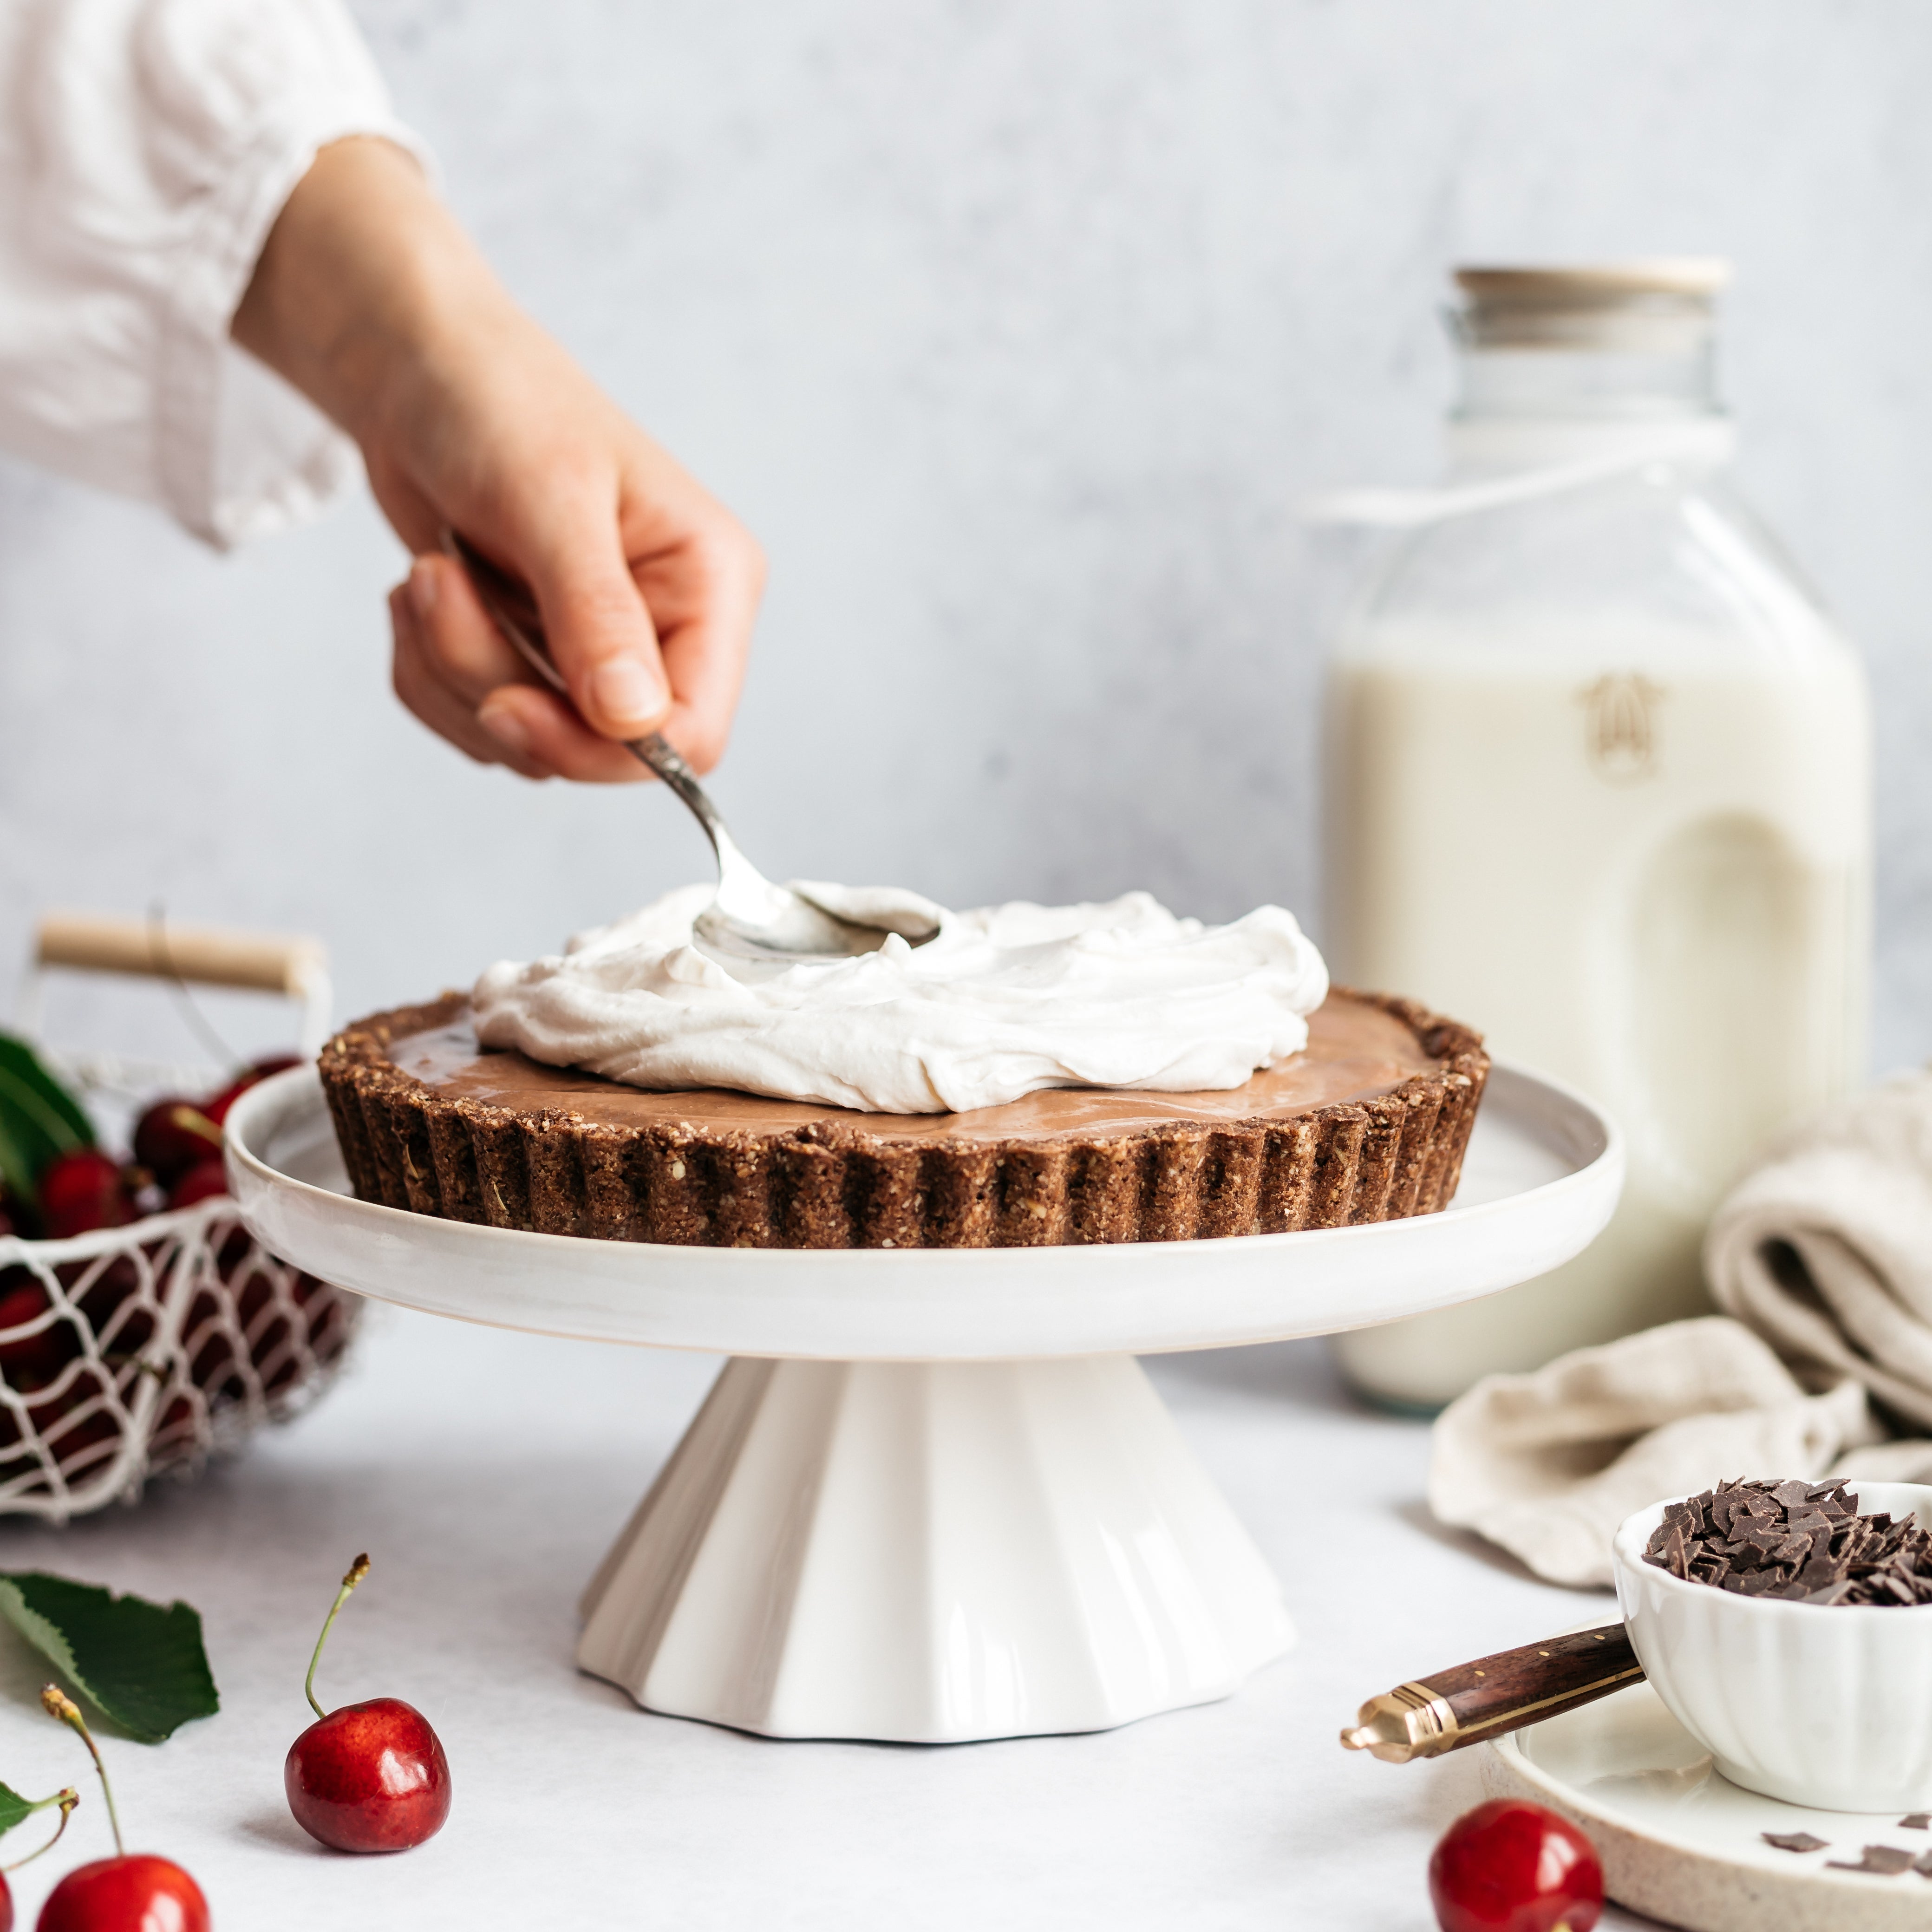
(369, 298)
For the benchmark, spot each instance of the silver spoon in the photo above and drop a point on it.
(750, 918)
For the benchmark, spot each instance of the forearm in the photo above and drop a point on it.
(363, 279)
(371, 301)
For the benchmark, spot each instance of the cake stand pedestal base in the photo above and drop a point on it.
(931, 1552)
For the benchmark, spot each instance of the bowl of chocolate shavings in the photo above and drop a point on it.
(1787, 1625)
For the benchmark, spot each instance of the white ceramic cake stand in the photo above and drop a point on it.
(932, 1496)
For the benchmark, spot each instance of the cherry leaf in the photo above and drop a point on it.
(31, 1090)
(22, 1154)
(39, 1118)
(12, 1809)
(141, 1666)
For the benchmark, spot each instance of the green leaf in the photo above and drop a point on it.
(32, 1087)
(140, 1666)
(12, 1808)
(39, 1118)
(19, 1159)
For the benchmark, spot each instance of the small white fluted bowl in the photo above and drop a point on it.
(1828, 1706)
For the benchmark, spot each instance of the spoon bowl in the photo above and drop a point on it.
(751, 922)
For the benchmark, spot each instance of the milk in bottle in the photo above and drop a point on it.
(1598, 783)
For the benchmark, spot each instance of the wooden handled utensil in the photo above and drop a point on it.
(1467, 1702)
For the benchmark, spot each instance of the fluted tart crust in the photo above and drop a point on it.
(1369, 1124)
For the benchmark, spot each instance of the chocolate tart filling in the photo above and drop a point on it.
(1368, 1122)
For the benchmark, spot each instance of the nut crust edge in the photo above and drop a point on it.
(825, 1185)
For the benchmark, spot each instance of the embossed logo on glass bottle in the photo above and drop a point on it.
(1620, 726)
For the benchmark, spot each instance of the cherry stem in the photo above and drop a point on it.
(357, 1571)
(59, 1704)
(67, 1800)
(193, 1120)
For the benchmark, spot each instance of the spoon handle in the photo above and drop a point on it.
(1469, 1702)
(657, 750)
(509, 602)
(750, 918)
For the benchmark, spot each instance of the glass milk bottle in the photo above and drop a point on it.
(1598, 782)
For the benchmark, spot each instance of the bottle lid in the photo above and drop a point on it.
(1660, 307)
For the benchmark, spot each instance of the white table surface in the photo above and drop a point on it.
(485, 1472)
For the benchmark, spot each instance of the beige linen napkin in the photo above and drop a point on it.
(1547, 1465)
(1826, 1249)
(1825, 1252)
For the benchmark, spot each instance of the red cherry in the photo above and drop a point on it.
(216, 1105)
(137, 1892)
(81, 1191)
(31, 1361)
(202, 1182)
(172, 1136)
(140, 1893)
(1509, 1866)
(369, 1778)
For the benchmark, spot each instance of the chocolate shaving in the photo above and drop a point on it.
(1796, 1841)
(1803, 1542)
(1887, 1861)
(1915, 1821)
(1922, 1864)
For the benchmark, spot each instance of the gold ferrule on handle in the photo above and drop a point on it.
(1409, 1722)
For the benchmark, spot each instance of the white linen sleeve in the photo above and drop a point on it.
(146, 147)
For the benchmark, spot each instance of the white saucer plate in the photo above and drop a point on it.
(1683, 1844)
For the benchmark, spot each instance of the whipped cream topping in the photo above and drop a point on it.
(1003, 1002)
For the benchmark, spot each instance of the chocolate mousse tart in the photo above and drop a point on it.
(1369, 1122)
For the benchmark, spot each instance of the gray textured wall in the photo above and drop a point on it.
(1014, 330)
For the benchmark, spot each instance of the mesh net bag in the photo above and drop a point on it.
(133, 1350)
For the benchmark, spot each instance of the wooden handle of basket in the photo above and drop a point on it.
(95, 942)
